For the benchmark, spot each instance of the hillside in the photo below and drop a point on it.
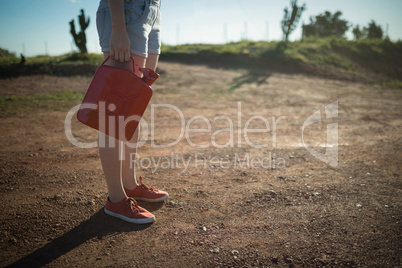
(379, 60)
(364, 60)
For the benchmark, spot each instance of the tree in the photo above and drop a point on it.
(359, 34)
(325, 25)
(374, 31)
(80, 39)
(290, 20)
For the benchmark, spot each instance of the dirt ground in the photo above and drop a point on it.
(235, 206)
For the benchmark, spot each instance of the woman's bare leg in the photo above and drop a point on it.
(110, 154)
(110, 159)
(128, 174)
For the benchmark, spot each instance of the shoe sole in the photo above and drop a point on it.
(152, 200)
(122, 217)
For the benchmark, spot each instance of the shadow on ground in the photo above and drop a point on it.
(259, 77)
(88, 229)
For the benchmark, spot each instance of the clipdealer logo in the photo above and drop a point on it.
(236, 126)
(330, 156)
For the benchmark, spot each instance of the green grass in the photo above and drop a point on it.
(393, 84)
(17, 105)
(366, 59)
(381, 57)
(71, 58)
(74, 64)
(242, 47)
(7, 58)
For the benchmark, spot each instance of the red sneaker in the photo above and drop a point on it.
(129, 210)
(145, 193)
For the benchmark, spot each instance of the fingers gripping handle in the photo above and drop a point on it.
(149, 76)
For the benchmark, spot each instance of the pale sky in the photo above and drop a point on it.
(35, 27)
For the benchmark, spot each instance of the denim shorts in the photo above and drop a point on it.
(143, 18)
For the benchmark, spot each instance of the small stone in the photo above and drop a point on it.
(272, 193)
(386, 206)
(359, 205)
(235, 252)
(204, 228)
(91, 203)
(288, 260)
(172, 203)
(56, 197)
(215, 250)
(275, 260)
